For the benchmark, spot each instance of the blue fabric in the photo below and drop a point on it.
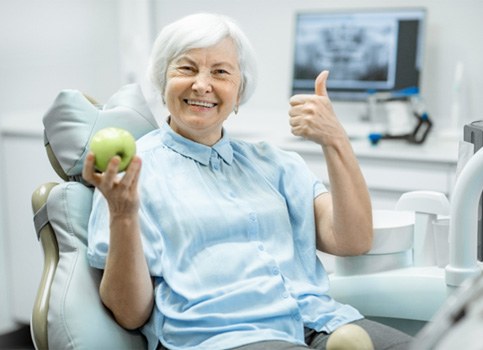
(229, 235)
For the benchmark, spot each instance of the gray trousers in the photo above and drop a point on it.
(383, 337)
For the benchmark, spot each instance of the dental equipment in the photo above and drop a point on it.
(473, 133)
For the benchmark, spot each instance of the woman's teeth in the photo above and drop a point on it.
(200, 103)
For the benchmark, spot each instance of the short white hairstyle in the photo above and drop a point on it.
(200, 31)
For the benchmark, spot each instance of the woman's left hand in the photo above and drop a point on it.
(312, 116)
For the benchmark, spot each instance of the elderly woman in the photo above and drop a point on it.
(207, 242)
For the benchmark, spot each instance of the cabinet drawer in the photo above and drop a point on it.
(395, 175)
(407, 176)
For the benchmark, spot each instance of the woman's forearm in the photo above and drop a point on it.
(351, 204)
(126, 286)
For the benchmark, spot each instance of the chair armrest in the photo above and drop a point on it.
(50, 249)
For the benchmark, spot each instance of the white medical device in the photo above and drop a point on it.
(403, 282)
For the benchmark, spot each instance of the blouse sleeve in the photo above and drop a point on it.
(291, 172)
(98, 236)
(98, 232)
(293, 179)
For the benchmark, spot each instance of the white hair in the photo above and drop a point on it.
(200, 31)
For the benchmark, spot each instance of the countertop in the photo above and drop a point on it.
(273, 127)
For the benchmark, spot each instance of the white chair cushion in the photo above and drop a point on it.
(72, 120)
(77, 319)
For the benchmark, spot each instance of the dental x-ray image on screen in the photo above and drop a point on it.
(364, 50)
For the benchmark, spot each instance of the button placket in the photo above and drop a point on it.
(253, 225)
(214, 161)
(271, 263)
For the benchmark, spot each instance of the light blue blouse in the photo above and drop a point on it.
(229, 236)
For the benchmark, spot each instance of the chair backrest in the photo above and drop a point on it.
(68, 312)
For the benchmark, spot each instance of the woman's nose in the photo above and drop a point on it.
(202, 83)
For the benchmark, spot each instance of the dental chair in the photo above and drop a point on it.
(68, 313)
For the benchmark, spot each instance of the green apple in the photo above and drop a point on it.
(350, 337)
(110, 142)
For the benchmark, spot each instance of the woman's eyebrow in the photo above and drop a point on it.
(190, 60)
(224, 64)
(184, 58)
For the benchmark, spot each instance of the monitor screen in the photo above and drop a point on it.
(364, 50)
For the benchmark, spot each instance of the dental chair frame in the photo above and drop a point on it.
(57, 315)
(68, 312)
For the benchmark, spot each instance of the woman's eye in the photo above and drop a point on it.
(186, 69)
(221, 72)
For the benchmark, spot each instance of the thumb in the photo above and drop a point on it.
(321, 83)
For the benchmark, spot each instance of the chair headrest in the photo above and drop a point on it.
(73, 119)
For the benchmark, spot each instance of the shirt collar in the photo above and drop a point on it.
(194, 150)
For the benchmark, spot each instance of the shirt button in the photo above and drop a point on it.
(261, 247)
(285, 295)
(275, 271)
(215, 162)
(296, 317)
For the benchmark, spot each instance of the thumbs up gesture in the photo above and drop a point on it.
(321, 84)
(313, 117)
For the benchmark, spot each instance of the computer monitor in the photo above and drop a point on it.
(366, 51)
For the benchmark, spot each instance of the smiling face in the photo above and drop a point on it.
(202, 90)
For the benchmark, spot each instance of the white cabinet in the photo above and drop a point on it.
(392, 167)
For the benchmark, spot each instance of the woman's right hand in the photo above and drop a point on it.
(126, 287)
(120, 191)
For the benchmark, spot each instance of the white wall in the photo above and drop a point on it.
(46, 46)
(453, 34)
